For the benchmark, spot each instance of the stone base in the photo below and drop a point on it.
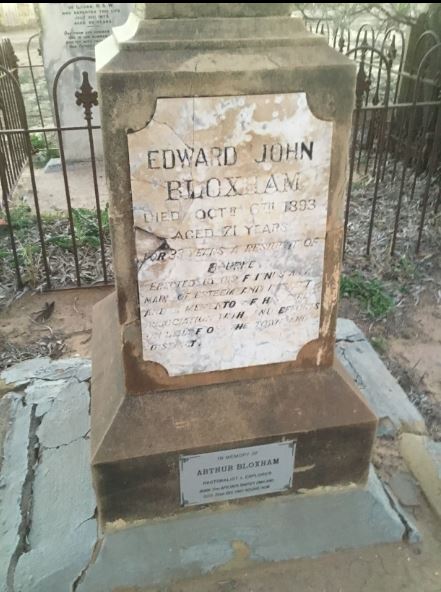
(137, 440)
(48, 531)
(162, 551)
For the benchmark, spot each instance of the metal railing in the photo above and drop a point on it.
(395, 155)
(17, 152)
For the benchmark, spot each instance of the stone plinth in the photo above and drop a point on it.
(136, 452)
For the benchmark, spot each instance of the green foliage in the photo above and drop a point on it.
(57, 238)
(402, 272)
(29, 260)
(86, 225)
(406, 271)
(37, 142)
(22, 217)
(43, 151)
(56, 228)
(52, 217)
(371, 294)
(379, 343)
(86, 229)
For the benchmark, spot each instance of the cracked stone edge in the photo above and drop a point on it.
(411, 533)
(18, 389)
(26, 497)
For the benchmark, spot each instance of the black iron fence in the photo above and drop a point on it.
(40, 239)
(394, 194)
(12, 115)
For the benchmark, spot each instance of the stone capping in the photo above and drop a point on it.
(212, 33)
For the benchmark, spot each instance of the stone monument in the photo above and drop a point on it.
(226, 131)
(71, 30)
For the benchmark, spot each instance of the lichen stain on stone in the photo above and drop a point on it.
(241, 556)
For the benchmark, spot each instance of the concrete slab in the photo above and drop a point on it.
(423, 457)
(49, 538)
(47, 503)
(158, 552)
(405, 488)
(63, 530)
(51, 191)
(383, 393)
(47, 369)
(13, 477)
(5, 419)
(67, 420)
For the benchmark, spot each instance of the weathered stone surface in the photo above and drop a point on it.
(404, 488)
(13, 475)
(47, 369)
(136, 441)
(380, 389)
(230, 204)
(162, 10)
(423, 457)
(173, 58)
(47, 504)
(157, 552)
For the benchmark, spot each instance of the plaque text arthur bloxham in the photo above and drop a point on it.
(230, 199)
(236, 473)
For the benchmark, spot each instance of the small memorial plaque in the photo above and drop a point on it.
(230, 202)
(236, 473)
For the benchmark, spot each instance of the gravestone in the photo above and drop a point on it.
(226, 131)
(70, 30)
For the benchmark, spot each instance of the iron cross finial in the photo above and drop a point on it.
(86, 97)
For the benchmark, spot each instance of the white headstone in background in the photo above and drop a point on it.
(68, 31)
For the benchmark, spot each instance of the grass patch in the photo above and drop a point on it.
(379, 343)
(56, 231)
(42, 152)
(22, 217)
(370, 293)
(86, 229)
(59, 252)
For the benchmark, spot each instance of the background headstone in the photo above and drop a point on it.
(68, 31)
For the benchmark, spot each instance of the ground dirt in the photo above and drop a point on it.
(383, 568)
(410, 338)
(409, 342)
(68, 329)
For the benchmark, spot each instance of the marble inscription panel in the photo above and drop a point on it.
(230, 199)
